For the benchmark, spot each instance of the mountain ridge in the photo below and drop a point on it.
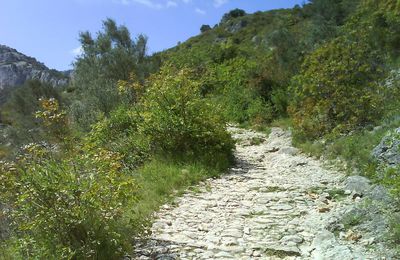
(16, 68)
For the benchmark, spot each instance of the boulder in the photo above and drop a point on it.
(236, 26)
(358, 184)
(388, 150)
(325, 246)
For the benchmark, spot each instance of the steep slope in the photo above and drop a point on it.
(247, 61)
(287, 33)
(16, 68)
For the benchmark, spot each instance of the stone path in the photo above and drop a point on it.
(276, 203)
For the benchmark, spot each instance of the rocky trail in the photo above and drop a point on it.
(276, 203)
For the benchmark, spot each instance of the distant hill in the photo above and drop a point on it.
(16, 68)
(276, 39)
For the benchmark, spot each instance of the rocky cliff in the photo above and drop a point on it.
(16, 68)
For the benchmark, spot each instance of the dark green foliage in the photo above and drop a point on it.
(230, 87)
(119, 133)
(235, 13)
(24, 101)
(179, 122)
(74, 208)
(19, 112)
(331, 11)
(204, 28)
(380, 21)
(337, 89)
(110, 57)
(274, 42)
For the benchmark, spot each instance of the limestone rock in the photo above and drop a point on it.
(236, 26)
(293, 238)
(16, 68)
(388, 150)
(358, 184)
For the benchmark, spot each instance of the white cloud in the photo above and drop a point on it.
(171, 4)
(218, 3)
(200, 11)
(77, 51)
(148, 3)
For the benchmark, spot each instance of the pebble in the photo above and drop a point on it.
(223, 254)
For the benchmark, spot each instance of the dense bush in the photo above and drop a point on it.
(235, 13)
(230, 87)
(18, 115)
(120, 133)
(380, 21)
(109, 57)
(337, 89)
(70, 208)
(204, 28)
(84, 201)
(178, 121)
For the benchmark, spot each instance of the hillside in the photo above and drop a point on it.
(16, 68)
(288, 34)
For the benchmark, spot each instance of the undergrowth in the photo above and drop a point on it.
(354, 148)
(161, 180)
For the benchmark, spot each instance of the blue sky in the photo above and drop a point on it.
(48, 29)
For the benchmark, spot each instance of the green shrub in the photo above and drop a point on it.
(337, 89)
(233, 92)
(19, 112)
(76, 208)
(235, 13)
(110, 56)
(355, 148)
(178, 121)
(120, 133)
(392, 180)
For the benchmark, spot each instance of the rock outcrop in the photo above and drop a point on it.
(388, 151)
(16, 68)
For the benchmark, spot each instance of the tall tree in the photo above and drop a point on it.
(111, 56)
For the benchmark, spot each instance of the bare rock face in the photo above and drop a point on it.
(388, 151)
(16, 68)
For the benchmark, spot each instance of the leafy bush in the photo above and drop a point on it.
(76, 207)
(109, 57)
(204, 28)
(178, 121)
(19, 112)
(120, 133)
(83, 203)
(235, 13)
(380, 21)
(337, 89)
(231, 89)
(53, 118)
